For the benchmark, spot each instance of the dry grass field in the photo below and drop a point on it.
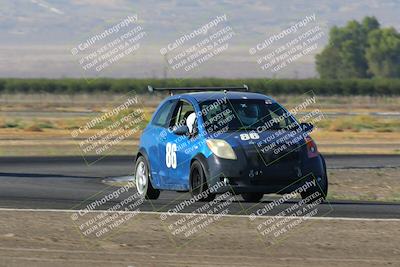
(42, 124)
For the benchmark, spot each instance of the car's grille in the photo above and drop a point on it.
(256, 157)
(283, 156)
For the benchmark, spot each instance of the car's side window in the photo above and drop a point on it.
(175, 116)
(181, 115)
(163, 115)
(186, 110)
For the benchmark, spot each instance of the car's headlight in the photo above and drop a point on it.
(221, 148)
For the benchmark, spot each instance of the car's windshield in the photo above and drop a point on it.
(245, 114)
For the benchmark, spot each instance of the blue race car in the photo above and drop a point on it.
(218, 139)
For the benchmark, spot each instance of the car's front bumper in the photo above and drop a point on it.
(245, 175)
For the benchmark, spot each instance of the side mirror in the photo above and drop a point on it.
(307, 127)
(181, 130)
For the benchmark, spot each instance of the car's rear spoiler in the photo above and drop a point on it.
(172, 89)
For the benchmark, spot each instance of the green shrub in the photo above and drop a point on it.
(266, 86)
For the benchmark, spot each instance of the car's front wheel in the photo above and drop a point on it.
(198, 183)
(252, 197)
(321, 187)
(142, 180)
(317, 193)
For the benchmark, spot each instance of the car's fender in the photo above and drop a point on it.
(204, 164)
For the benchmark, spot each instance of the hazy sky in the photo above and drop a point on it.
(121, 38)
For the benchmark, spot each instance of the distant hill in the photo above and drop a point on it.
(36, 36)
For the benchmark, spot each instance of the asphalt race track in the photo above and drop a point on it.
(69, 183)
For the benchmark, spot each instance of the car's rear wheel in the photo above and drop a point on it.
(198, 183)
(142, 180)
(252, 197)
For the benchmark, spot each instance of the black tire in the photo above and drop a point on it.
(321, 187)
(312, 191)
(252, 197)
(147, 190)
(198, 182)
(325, 183)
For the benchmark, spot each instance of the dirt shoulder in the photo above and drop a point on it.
(380, 184)
(52, 239)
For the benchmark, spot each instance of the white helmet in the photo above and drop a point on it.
(190, 121)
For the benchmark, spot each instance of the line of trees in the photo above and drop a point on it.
(272, 87)
(355, 53)
(360, 50)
